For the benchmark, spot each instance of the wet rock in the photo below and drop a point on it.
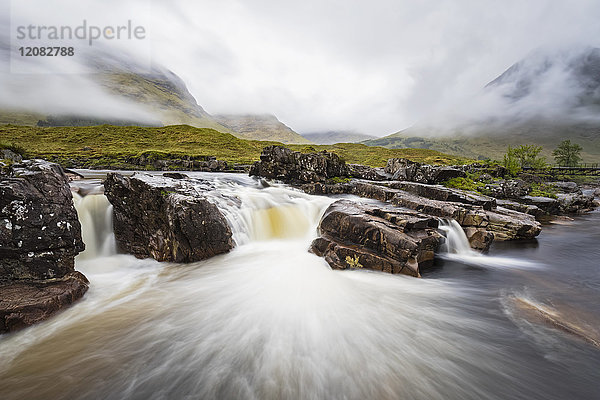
(405, 170)
(566, 187)
(40, 236)
(520, 207)
(377, 237)
(166, 219)
(546, 204)
(438, 192)
(508, 224)
(280, 163)
(575, 203)
(40, 233)
(25, 303)
(368, 173)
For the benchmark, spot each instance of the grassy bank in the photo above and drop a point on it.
(99, 144)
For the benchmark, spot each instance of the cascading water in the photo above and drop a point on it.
(457, 248)
(95, 215)
(269, 320)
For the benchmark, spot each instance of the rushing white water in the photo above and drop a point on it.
(457, 248)
(95, 215)
(269, 320)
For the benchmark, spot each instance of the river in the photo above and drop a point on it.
(269, 320)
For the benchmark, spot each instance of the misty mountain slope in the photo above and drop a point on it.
(542, 100)
(333, 137)
(163, 94)
(260, 127)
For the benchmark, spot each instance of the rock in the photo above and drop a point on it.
(530, 178)
(508, 189)
(175, 175)
(438, 192)
(166, 219)
(405, 170)
(280, 163)
(566, 187)
(524, 208)
(40, 233)
(25, 303)
(479, 238)
(546, 204)
(508, 224)
(9, 155)
(40, 236)
(363, 172)
(377, 237)
(574, 203)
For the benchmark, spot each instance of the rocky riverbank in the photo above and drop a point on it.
(40, 236)
(351, 235)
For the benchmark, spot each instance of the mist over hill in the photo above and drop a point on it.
(333, 137)
(543, 99)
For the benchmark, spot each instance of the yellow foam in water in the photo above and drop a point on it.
(280, 222)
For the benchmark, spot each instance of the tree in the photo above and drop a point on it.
(524, 156)
(567, 154)
(511, 163)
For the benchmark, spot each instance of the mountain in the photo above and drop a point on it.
(333, 137)
(543, 99)
(260, 127)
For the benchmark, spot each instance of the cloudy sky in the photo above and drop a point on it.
(375, 67)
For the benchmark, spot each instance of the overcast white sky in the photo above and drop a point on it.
(372, 66)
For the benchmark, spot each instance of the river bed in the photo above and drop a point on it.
(269, 320)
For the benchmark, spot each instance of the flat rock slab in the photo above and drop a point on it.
(25, 303)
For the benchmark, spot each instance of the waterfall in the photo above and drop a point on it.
(95, 216)
(457, 248)
(272, 213)
(456, 240)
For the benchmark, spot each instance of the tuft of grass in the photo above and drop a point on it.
(464, 184)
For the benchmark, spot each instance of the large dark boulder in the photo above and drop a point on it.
(165, 218)
(25, 303)
(40, 236)
(280, 163)
(377, 237)
(40, 233)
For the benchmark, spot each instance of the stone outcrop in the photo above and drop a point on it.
(382, 238)
(575, 202)
(368, 173)
(289, 166)
(405, 170)
(40, 233)
(25, 303)
(471, 213)
(40, 236)
(167, 219)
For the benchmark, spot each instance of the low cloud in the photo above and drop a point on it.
(374, 67)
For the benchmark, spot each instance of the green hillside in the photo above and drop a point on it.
(260, 127)
(492, 143)
(107, 142)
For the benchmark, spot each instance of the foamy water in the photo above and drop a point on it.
(269, 320)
